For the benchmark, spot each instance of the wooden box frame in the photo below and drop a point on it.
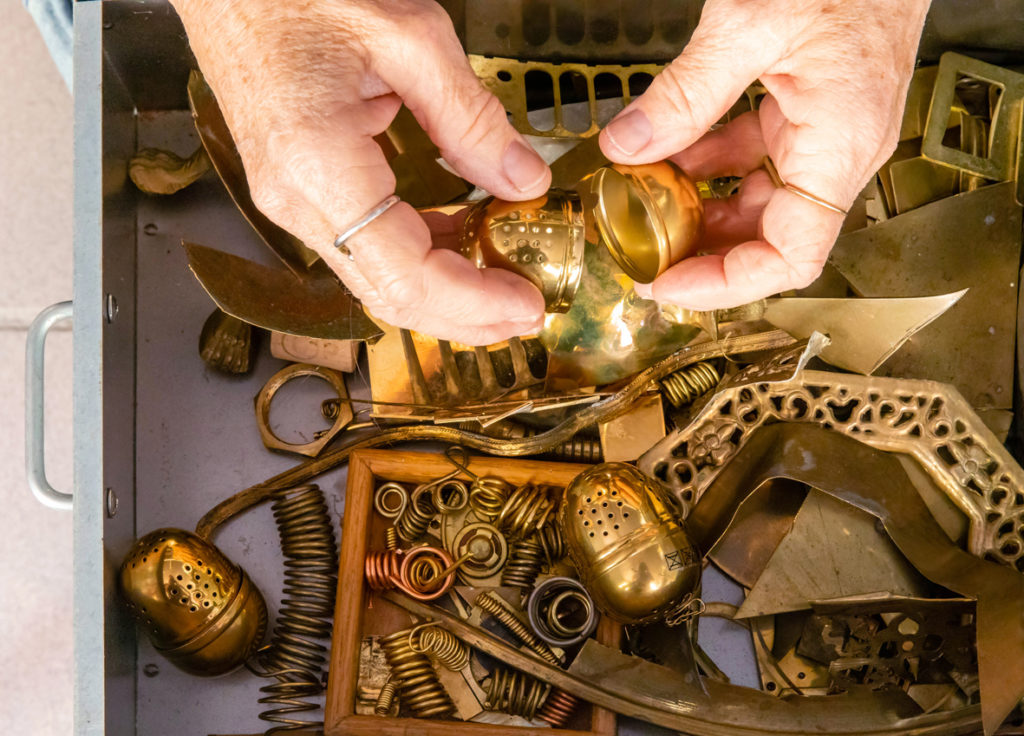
(366, 470)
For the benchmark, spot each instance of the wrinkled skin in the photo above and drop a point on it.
(305, 86)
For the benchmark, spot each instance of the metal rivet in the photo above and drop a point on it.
(151, 670)
(111, 308)
(111, 503)
(150, 228)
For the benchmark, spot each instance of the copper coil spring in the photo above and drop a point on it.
(525, 560)
(450, 651)
(552, 542)
(487, 496)
(294, 657)
(526, 511)
(417, 515)
(490, 603)
(514, 692)
(417, 681)
(386, 698)
(685, 385)
(558, 708)
(382, 568)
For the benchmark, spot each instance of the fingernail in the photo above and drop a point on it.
(630, 132)
(523, 167)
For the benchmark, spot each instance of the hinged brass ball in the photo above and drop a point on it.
(625, 538)
(199, 609)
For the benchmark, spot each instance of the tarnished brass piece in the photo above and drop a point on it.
(340, 355)
(270, 440)
(630, 435)
(487, 546)
(833, 550)
(199, 609)
(216, 137)
(622, 533)
(649, 216)
(527, 509)
(541, 240)
(927, 420)
(313, 304)
(418, 685)
(1001, 159)
(633, 687)
(506, 79)
(512, 691)
(875, 482)
(686, 385)
(163, 172)
(440, 644)
(496, 606)
(922, 252)
(561, 612)
(226, 343)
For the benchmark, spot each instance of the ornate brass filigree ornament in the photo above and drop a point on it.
(927, 420)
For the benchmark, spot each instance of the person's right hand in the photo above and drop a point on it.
(304, 87)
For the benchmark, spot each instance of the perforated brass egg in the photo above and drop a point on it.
(623, 534)
(199, 609)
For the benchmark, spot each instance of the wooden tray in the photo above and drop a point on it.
(363, 530)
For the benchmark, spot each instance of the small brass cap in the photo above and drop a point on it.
(199, 609)
(624, 536)
(650, 216)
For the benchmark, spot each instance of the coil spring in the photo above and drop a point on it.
(386, 699)
(293, 657)
(579, 449)
(514, 692)
(417, 682)
(442, 645)
(552, 542)
(493, 605)
(558, 708)
(416, 518)
(525, 560)
(685, 385)
(526, 511)
(487, 496)
(382, 568)
(391, 538)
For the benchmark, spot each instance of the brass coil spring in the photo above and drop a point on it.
(525, 560)
(514, 692)
(382, 568)
(558, 708)
(417, 515)
(417, 681)
(579, 449)
(391, 538)
(490, 603)
(450, 651)
(685, 385)
(487, 496)
(294, 657)
(386, 699)
(552, 542)
(526, 511)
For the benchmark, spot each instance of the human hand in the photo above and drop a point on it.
(304, 87)
(837, 76)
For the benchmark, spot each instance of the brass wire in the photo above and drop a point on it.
(514, 692)
(552, 542)
(391, 538)
(487, 496)
(526, 511)
(686, 384)
(386, 699)
(442, 645)
(417, 515)
(417, 681)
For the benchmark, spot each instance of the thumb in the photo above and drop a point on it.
(689, 96)
(466, 122)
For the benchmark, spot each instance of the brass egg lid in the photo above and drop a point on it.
(649, 216)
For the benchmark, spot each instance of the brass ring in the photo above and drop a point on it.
(777, 180)
(380, 500)
(311, 449)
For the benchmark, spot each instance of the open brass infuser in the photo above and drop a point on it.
(649, 217)
(623, 534)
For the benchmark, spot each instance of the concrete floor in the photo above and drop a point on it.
(35, 270)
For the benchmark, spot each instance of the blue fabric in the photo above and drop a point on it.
(53, 17)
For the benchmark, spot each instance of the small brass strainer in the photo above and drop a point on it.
(199, 609)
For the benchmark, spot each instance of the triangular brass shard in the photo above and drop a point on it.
(315, 304)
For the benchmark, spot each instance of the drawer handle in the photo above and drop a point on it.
(35, 420)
